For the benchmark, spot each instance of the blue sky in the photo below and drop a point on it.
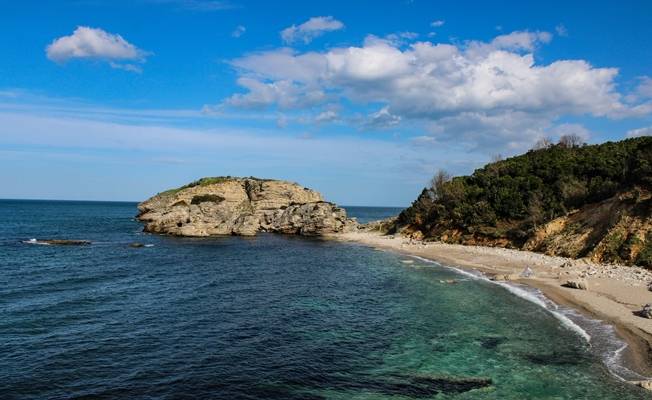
(361, 100)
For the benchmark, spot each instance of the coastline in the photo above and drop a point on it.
(615, 292)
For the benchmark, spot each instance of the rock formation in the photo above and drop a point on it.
(576, 284)
(242, 206)
(646, 312)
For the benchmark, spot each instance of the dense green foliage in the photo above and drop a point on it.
(523, 191)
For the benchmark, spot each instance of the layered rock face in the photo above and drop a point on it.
(242, 206)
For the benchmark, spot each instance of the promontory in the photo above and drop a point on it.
(242, 206)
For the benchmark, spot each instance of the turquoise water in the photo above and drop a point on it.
(271, 317)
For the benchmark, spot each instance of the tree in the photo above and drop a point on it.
(536, 209)
(543, 143)
(497, 158)
(438, 182)
(571, 140)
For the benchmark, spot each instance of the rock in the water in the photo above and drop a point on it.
(647, 385)
(646, 312)
(242, 206)
(577, 284)
(58, 242)
(136, 245)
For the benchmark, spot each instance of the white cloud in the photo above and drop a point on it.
(283, 93)
(400, 38)
(437, 23)
(429, 80)
(561, 30)
(644, 89)
(491, 92)
(382, 119)
(647, 131)
(314, 27)
(327, 116)
(521, 40)
(238, 31)
(95, 44)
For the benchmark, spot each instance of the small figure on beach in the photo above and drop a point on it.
(527, 272)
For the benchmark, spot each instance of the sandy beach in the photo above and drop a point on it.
(614, 292)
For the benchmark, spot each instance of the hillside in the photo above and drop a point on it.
(568, 200)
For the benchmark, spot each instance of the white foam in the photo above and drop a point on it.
(35, 241)
(533, 296)
(610, 346)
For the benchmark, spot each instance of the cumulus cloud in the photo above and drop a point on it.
(644, 89)
(238, 31)
(382, 119)
(492, 91)
(400, 38)
(327, 116)
(314, 27)
(437, 23)
(96, 44)
(521, 40)
(647, 131)
(283, 93)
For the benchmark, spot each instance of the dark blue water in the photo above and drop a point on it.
(270, 317)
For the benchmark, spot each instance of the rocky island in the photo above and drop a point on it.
(242, 206)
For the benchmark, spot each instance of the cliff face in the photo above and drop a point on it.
(242, 206)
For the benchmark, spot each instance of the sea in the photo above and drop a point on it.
(272, 317)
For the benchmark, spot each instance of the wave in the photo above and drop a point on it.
(603, 338)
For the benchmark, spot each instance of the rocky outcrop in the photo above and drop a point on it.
(503, 277)
(646, 311)
(242, 206)
(576, 284)
(58, 242)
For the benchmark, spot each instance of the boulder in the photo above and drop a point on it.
(580, 284)
(503, 277)
(646, 311)
(242, 206)
(647, 385)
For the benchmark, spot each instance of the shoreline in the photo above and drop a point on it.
(615, 292)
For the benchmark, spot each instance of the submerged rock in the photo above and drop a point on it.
(242, 206)
(580, 284)
(647, 385)
(136, 245)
